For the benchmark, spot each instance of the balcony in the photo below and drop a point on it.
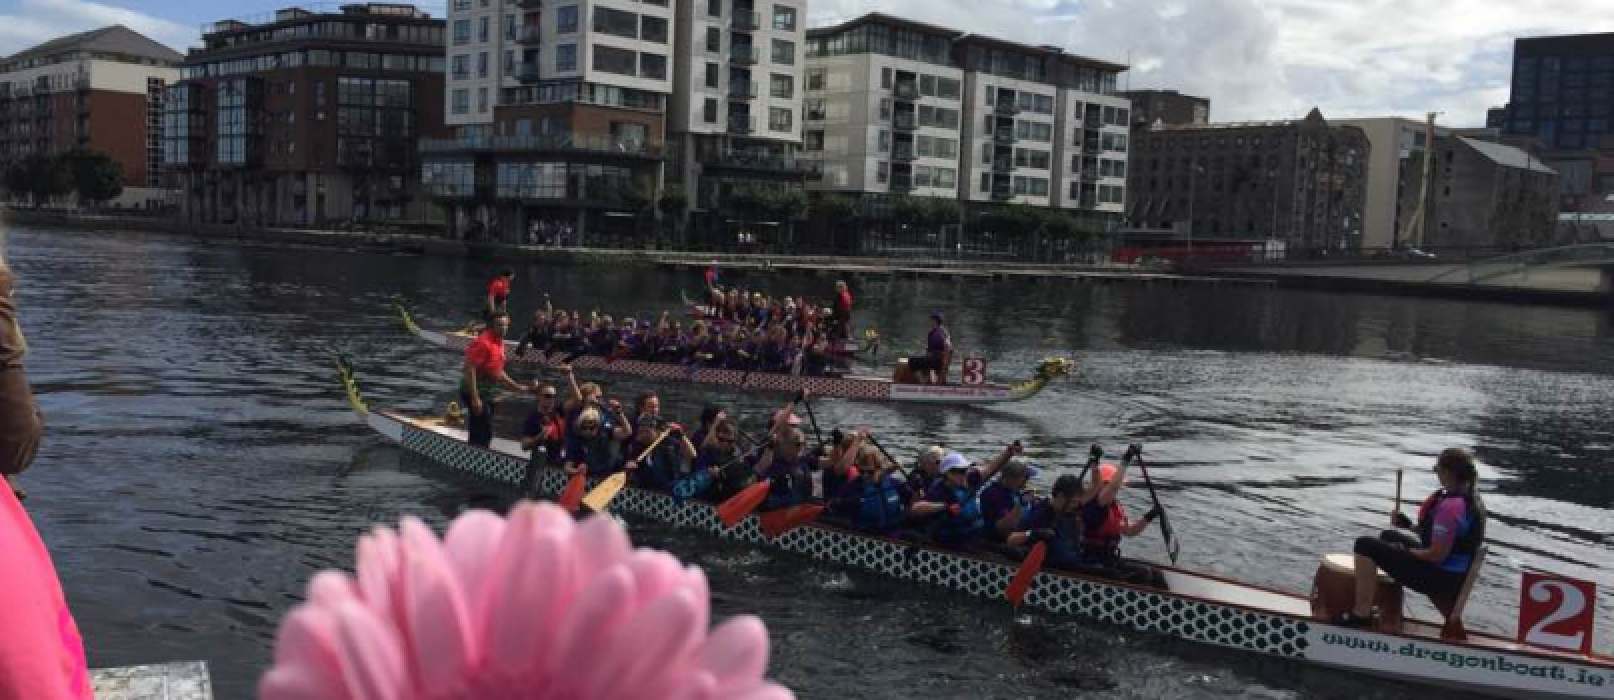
(529, 34)
(1002, 135)
(527, 73)
(904, 122)
(1089, 201)
(1006, 108)
(1002, 165)
(906, 90)
(903, 154)
(742, 124)
(530, 4)
(761, 161)
(744, 55)
(741, 90)
(1001, 193)
(901, 183)
(598, 144)
(745, 21)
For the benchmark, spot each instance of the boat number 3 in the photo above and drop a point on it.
(1556, 612)
(974, 370)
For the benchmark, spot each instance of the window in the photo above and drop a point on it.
(653, 29)
(782, 86)
(885, 77)
(815, 78)
(812, 141)
(565, 57)
(884, 143)
(814, 110)
(885, 110)
(1111, 168)
(566, 19)
(1043, 104)
(1031, 158)
(616, 23)
(779, 119)
(462, 67)
(1113, 142)
(711, 75)
(509, 61)
(784, 52)
(482, 29)
(784, 18)
(714, 40)
(462, 5)
(608, 59)
(709, 111)
(462, 31)
(1034, 131)
(482, 99)
(1111, 194)
(462, 101)
(986, 182)
(510, 27)
(1031, 186)
(653, 66)
(947, 88)
(882, 172)
(714, 8)
(482, 64)
(939, 117)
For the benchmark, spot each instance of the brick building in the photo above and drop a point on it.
(1484, 194)
(102, 89)
(1166, 107)
(1302, 182)
(307, 118)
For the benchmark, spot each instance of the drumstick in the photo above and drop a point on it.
(1397, 496)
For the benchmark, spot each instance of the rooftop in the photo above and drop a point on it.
(296, 13)
(115, 39)
(958, 36)
(1507, 156)
(1313, 114)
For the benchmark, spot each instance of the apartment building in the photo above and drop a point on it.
(735, 113)
(896, 107)
(102, 89)
(571, 129)
(307, 118)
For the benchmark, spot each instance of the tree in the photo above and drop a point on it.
(942, 212)
(95, 176)
(672, 204)
(835, 208)
(39, 177)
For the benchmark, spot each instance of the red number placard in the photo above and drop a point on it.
(974, 371)
(1557, 612)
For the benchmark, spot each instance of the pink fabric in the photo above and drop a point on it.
(41, 653)
(1448, 521)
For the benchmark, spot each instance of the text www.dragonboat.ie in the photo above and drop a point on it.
(1488, 662)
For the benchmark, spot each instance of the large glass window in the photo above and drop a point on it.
(779, 119)
(653, 29)
(608, 59)
(462, 101)
(782, 86)
(784, 52)
(565, 57)
(482, 29)
(939, 117)
(449, 179)
(462, 31)
(652, 65)
(462, 67)
(616, 22)
(714, 40)
(566, 19)
(784, 18)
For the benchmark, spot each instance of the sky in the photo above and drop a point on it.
(1254, 59)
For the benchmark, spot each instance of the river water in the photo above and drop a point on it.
(201, 463)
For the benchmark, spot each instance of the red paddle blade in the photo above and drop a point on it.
(1028, 571)
(732, 511)
(572, 496)
(779, 522)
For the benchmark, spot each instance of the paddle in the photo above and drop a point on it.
(601, 495)
(1397, 508)
(1172, 543)
(1021, 583)
(777, 522)
(572, 495)
(806, 400)
(893, 460)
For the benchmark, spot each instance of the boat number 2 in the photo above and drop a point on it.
(974, 370)
(1556, 612)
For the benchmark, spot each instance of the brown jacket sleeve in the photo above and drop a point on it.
(20, 423)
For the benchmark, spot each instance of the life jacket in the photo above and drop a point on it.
(958, 528)
(1104, 541)
(880, 508)
(1466, 542)
(790, 483)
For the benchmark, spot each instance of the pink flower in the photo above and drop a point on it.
(534, 607)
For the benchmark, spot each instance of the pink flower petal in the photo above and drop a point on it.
(589, 620)
(328, 588)
(655, 574)
(660, 638)
(527, 604)
(297, 683)
(378, 573)
(695, 684)
(308, 641)
(471, 541)
(766, 691)
(373, 665)
(600, 544)
(444, 648)
(736, 652)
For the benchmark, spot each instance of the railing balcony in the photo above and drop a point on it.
(1089, 201)
(527, 72)
(903, 154)
(904, 122)
(1006, 108)
(601, 144)
(1003, 136)
(740, 124)
(744, 55)
(1002, 165)
(1002, 194)
(529, 34)
(1089, 173)
(1090, 145)
(906, 90)
(761, 161)
(746, 21)
(741, 90)
(901, 183)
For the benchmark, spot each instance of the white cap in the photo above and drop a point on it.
(954, 460)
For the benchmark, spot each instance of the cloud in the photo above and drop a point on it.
(1275, 59)
(38, 21)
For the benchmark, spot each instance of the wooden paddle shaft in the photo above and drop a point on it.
(653, 445)
(1397, 492)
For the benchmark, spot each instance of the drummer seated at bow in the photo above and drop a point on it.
(1105, 523)
(932, 368)
(1450, 529)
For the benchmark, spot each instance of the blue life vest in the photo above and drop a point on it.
(881, 506)
(955, 529)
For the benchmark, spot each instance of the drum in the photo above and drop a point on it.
(903, 375)
(1333, 591)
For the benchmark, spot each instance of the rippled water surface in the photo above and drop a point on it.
(201, 463)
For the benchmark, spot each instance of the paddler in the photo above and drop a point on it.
(665, 463)
(589, 446)
(955, 499)
(1450, 529)
(932, 368)
(1055, 520)
(1105, 523)
(1005, 501)
(785, 463)
(543, 434)
(875, 501)
(484, 367)
(499, 292)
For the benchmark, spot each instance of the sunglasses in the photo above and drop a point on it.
(588, 428)
(726, 440)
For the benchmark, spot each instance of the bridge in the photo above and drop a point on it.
(1580, 275)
